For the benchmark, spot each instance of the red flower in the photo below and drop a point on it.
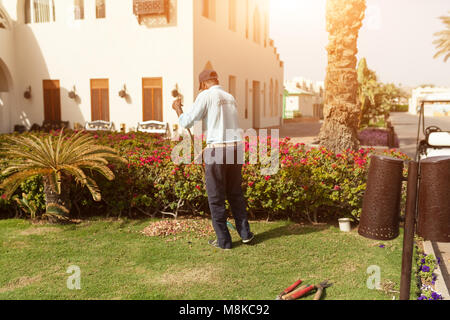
(267, 178)
(251, 184)
(337, 188)
(4, 196)
(198, 188)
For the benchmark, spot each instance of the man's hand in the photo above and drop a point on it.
(177, 106)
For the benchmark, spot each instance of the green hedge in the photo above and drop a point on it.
(400, 108)
(310, 181)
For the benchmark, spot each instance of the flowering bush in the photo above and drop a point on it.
(376, 137)
(426, 265)
(310, 182)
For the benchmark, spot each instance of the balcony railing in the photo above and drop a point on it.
(142, 8)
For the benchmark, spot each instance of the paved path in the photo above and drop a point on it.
(406, 127)
(301, 132)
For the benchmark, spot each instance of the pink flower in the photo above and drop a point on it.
(198, 188)
(4, 196)
(267, 178)
(251, 184)
(337, 188)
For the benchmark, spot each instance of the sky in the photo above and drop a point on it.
(396, 39)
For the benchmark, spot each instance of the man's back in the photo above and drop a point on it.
(218, 111)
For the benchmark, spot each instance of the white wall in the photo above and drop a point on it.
(232, 54)
(120, 49)
(117, 48)
(7, 68)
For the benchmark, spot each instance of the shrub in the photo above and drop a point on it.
(310, 182)
(376, 137)
(400, 108)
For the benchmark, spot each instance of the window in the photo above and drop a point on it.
(271, 98)
(152, 99)
(256, 26)
(246, 20)
(99, 99)
(209, 9)
(232, 15)
(52, 100)
(246, 99)
(38, 11)
(100, 9)
(232, 85)
(79, 9)
(277, 101)
(266, 30)
(265, 99)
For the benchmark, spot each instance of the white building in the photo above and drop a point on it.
(431, 94)
(305, 97)
(96, 48)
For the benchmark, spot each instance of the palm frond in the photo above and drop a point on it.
(443, 40)
(11, 183)
(94, 189)
(102, 169)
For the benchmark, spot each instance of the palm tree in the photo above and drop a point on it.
(59, 160)
(443, 43)
(344, 19)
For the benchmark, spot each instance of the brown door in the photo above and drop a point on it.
(256, 104)
(152, 99)
(52, 100)
(100, 99)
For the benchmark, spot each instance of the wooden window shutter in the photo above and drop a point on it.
(52, 100)
(152, 99)
(100, 99)
(100, 9)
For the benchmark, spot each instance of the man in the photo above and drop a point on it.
(217, 110)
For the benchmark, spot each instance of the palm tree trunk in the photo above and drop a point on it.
(340, 129)
(57, 204)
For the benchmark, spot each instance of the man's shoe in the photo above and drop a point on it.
(215, 244)
(249, 240)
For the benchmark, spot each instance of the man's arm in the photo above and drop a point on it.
(178, 107)
(187, 120)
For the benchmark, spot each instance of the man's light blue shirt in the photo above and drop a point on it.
(218, 112)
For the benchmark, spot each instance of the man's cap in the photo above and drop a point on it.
(207, 75)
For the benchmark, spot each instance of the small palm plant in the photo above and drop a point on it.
(59, 160)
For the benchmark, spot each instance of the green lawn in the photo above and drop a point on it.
(118, 262)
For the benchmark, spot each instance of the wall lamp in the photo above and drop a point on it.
(123, 93)
(27, 93)
(73, 94)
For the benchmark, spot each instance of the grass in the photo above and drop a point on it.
(118, 262)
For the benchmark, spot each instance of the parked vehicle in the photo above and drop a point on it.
(437, 140)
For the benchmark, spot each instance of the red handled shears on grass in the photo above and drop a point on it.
(290, 294)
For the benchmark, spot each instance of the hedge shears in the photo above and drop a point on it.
(294, 293)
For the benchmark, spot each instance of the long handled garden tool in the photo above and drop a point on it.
(177, 96)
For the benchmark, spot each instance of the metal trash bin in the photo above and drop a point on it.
(380, 218)
(434, 199)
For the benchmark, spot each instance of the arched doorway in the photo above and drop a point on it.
(5, 98)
